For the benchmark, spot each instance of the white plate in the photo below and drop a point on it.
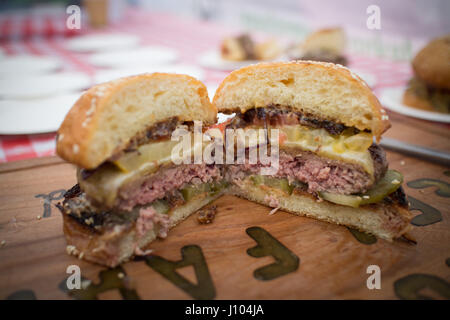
(369, 78)
(102, 42)
(34, 116)
(108, 75)
(28, 64)
(34, 86)
(392, 98)
(153, 55)
(213, 60)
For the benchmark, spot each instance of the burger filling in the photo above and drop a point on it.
(319, 173)
(326, 159)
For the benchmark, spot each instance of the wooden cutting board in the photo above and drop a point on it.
(244, 254)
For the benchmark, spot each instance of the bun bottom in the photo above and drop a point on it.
(384, 220)
(119, 245)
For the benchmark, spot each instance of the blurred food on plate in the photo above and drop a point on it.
(326, 45)
(267, 50)
(244, 47)
(429, 89)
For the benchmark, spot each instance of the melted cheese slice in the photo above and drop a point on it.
(350, 148)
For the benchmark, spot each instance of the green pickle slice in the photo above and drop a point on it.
(391, 181)
(212, 188)
(161, 206)
(277, 183)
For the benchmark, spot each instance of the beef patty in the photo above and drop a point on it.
(319, 173)
(149, 188)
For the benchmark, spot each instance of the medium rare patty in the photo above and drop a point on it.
(319, 173)
(158, 185)
(163, 189)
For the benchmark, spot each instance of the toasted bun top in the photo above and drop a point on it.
(107, 116)
(432, 63)
(321, 90)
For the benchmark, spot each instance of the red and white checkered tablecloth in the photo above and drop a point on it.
(25, 25)
(189, 37)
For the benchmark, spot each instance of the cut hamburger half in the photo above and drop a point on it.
(129, 190)
(329, 168)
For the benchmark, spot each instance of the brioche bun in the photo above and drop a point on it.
(321, 90)
(432, 63)
(107, 116)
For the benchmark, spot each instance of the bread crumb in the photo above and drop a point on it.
(72, 250)
(81, 255)
(274, 210)
(38, 217)
(207, 215)
(395, 181)
(3, 243)
(120, 275)
(139, 252)
(366, 197)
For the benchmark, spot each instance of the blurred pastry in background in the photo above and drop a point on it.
(326, 45)
(243, 47)
(238, 48)
(429, 89)
(267, 50)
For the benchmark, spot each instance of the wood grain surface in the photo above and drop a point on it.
(244, 254)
